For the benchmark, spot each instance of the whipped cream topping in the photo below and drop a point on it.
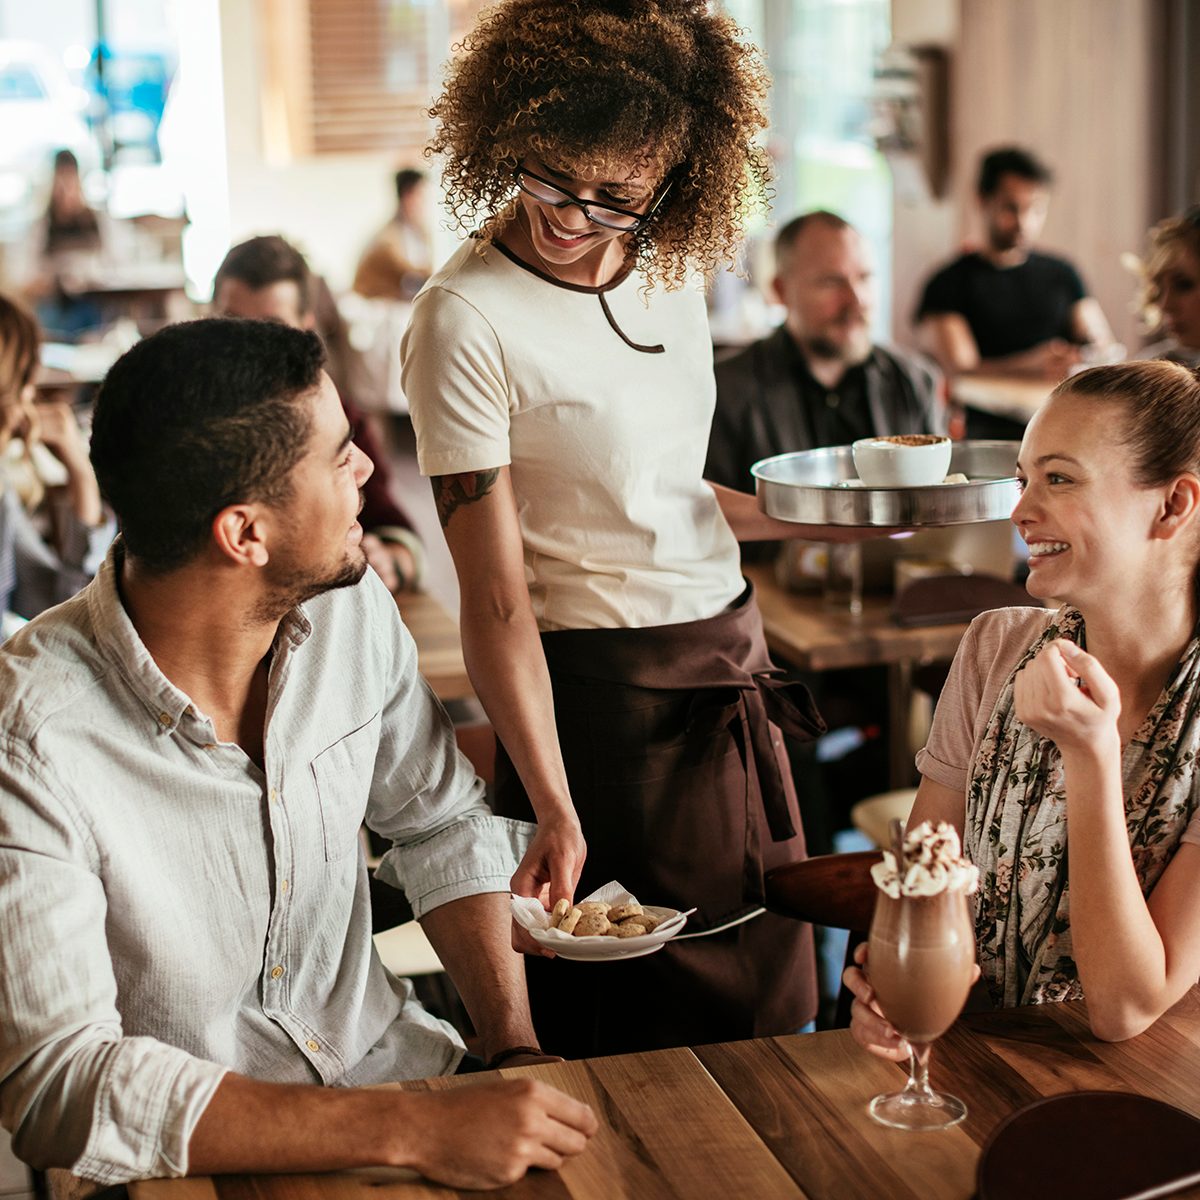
(933, 863)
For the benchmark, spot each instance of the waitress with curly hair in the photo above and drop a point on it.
(559, 372)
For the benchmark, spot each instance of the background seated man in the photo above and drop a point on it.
(187, 751)
(818, 380)
(399, 258)
(1008, 308)
(267, 278)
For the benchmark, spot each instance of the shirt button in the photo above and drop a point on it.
(283, 886)
(276, 972)
(274, 795)
(312, 1045)
(209, 746)
(832, 400)
(164, 718)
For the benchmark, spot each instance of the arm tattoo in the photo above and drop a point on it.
(453, 491)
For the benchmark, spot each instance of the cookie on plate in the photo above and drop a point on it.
(570, 922)
(648, 920)
(591, 924)
(619, 912)
(628, 929)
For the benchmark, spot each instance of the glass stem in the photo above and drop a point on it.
(918, 1069)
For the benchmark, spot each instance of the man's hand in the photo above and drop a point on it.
(1067, 696)
(53, 424)
(1053, 359)
(391, 561)
(549, 871)
(488, 1135)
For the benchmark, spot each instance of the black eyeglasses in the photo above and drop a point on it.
(599, 214)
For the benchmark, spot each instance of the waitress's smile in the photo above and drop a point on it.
(565, 238)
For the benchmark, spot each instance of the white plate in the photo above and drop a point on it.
(602, 949)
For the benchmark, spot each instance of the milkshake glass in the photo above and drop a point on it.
(921, 964)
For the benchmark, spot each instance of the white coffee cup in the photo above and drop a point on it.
(904, 460)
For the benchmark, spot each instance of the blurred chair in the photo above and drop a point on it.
(872, 816)
(833, 890)
(160, 238)
(406, 952)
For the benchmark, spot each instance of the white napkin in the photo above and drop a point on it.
(529, 914)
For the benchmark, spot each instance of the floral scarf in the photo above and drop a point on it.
(1016, 826)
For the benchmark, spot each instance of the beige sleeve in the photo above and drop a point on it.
(452, 372)
(991, 647)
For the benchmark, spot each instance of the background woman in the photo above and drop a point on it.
(33, 573)
(1066, 744)
(560, 377)
(70, 243)
(1171, 300)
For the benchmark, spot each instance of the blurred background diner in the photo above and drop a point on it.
(972, 199)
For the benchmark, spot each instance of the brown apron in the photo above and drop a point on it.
(672, 745)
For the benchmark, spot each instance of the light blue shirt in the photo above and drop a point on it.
(171, 911)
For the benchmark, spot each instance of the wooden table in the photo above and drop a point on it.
(72, 366)
(1013, 396)
(439, 648)
(804, 633)
(787, 1117)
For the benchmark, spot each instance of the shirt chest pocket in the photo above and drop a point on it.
(342, 775)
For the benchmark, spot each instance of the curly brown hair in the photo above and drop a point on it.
(594, 85)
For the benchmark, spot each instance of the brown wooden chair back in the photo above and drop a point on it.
(833, 890)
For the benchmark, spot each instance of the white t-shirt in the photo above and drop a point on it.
(503, 365)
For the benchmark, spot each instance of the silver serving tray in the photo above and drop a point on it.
(821, 487)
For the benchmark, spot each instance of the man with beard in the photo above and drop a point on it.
(189, 748)
(268, 279)
(817, 380)
(1007, 308)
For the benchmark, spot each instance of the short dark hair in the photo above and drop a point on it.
(196, 417)
(788, 236)
(407, 178)
(263, 261)
(1011, 160)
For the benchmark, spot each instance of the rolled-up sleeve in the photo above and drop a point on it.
(74, 1091)
(428, 801)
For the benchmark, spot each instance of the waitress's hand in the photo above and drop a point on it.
(550, 869)
(1067, 696)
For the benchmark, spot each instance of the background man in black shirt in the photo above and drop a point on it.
(1007, 308)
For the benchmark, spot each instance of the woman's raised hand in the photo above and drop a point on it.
(1065, 695)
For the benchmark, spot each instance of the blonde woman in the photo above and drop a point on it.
(36, 572)
(1171, 296)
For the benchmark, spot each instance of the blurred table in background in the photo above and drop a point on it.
(439, 647)
(1014, 397)
(804, 632)
(64, 365)
(149, 293)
